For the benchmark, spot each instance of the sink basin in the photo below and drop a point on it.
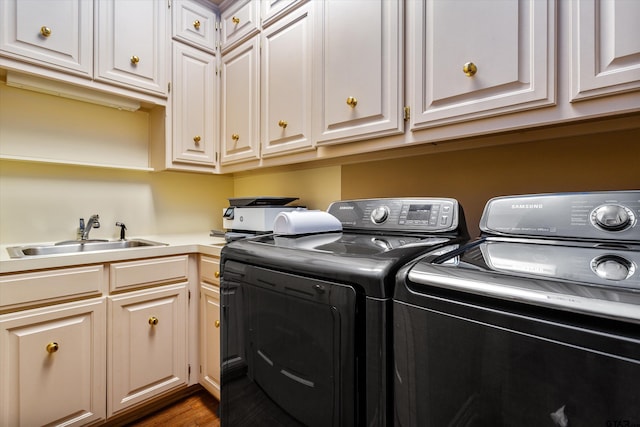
(77, 246)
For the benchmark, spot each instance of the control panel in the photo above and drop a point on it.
(608, 267)
(606, 215)
(427, 215)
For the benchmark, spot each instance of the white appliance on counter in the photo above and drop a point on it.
(250, 216)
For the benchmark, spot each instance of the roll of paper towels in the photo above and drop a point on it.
(305, 222)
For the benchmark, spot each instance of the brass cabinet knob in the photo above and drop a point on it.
(217, 323)
(153, 321)
(45, 31)
(135, 60)
(469, 69)
(216, 274)
(196, 24)
(352, 102)
(197, 139)
(283, 124)
(52, 347)
(235, 137)
(235, 20)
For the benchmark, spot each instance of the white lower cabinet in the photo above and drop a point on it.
(210, 340)
(147, 344)
(53, 364)
(82, 344)
(210, 324)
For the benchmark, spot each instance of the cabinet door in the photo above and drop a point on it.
(210, 339)
(193, 107)
(194, 24)
(132, 44)
(52, 33)
(359, 86)
(238, 23)
(605, 46)
(53, 366)
(287, 84)
(240, 103)
(273, 10)
(507, 47)
(147, 345)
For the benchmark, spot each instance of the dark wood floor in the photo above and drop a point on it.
(198, 409)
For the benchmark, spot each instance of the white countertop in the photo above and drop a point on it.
(175, 244)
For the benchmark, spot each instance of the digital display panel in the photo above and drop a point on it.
(419, 212)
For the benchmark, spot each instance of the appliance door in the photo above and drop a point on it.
(467, 360)
(288, 349)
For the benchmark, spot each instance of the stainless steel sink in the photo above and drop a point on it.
(69, 247)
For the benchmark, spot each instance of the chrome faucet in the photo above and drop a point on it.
(85, 229)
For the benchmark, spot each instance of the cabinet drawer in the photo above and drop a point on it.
(239, 23)
(146, 272)
(194, 24)
(210, 270)
(42, 287)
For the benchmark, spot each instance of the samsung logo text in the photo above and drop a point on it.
(527, 206)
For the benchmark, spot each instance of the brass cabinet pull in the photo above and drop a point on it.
(352, 102)
(216, 274)
(217, 323)
(469, 69)
(196, 139)
(153, 321)
(235, 20)
(45, 31)
(283, 124)
(235, 137)
(196, 24)
(135, 60)
(52, 347)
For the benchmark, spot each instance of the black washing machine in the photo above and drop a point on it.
(536, 323)
(306, 318)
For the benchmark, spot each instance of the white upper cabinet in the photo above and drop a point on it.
(194, 109)
(287, 84)
(194, 24)
(275, 9)
(359, 83)
(240, 103)
(479, 58)
(239, 22)
(55, 34)
(133, 39)
(605, 47)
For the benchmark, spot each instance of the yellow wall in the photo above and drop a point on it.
(42, 202)
(608, 161)
(46, 127)
(316, 187)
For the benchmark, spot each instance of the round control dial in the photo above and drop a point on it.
(613, 267)
(612, 217)
(380, 214)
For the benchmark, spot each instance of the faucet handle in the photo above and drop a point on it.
(122, 229)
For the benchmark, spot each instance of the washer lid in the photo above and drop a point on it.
(367, 260)
(596, 280)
